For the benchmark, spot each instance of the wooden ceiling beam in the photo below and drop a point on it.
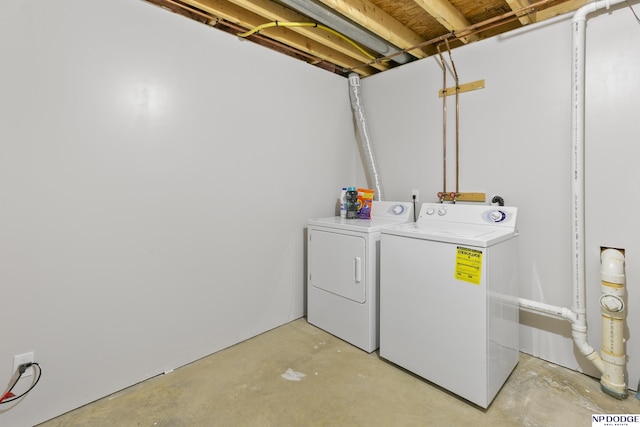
(275, 12)
(542, 15)
(447, 15)
(566, 7)
(376, 20)
(525, 18)
(251, 13)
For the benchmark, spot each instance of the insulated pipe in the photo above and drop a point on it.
(613, 312)
(373, 176)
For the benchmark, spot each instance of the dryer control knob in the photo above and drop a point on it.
(442, 211)
(398, 209)
(430, 211)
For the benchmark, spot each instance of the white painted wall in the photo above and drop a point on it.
(156, 177)
(515, 142)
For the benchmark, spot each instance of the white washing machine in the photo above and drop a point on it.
(448, 284)
(343, 273)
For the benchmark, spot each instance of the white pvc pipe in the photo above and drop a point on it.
(578, 48)
(613, 312)
(611, 366)
(611, 363)
(546, 309)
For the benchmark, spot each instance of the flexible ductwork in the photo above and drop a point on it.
(373, 176)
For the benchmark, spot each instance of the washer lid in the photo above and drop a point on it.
(465, 234)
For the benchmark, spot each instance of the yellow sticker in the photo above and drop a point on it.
(468, 265)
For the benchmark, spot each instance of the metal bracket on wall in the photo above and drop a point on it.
(466, 87)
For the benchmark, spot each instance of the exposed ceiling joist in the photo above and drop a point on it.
(447, 15)
(252, 13)
(525, 18)
(411, 26)
(371, 17)
(560, 9)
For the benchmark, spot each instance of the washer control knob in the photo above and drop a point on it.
(430, 211)
(497, 216)
(442, 211)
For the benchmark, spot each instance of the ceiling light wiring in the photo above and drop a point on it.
(307, 24)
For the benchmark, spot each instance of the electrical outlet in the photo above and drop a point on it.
(19, 359)
(415, 193)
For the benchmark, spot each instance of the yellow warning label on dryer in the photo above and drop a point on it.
(468, 265)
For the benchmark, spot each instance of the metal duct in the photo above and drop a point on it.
(373, 176)
(330, 18)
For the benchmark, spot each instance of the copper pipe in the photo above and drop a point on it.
(454, 72)
(490, 27)
(455, 75)
(505, 15)
(444, 121)
(471, 29)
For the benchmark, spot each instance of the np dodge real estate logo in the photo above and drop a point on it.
(617, 420)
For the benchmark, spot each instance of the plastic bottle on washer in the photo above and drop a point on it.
(352, 203)
(343, 203)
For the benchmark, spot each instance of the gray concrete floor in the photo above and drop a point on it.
(298, 375)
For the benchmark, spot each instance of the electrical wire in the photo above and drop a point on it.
(307, 24)
(21, 371)
(633, 11)
(414, 208)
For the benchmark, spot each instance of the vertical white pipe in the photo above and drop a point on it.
(577, 157)
(612, 363)
(578, 47)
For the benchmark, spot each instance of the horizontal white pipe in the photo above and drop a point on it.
(578, 326)
(546, 309)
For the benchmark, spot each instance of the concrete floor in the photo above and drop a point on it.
(298, 375)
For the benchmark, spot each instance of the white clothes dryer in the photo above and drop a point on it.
(448, 308)
(343, 267)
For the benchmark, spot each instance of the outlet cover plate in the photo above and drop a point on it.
(19, 359)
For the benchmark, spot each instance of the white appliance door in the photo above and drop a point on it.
(433, 318)
(338, 264)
